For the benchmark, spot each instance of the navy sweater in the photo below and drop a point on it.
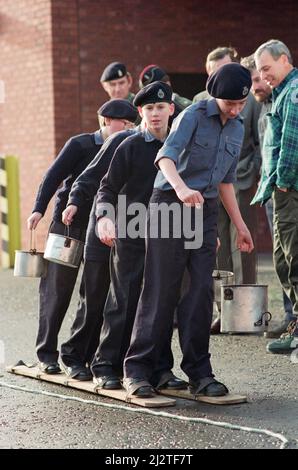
(74, 157)
(132, 172)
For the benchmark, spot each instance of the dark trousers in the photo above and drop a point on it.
(166, 261)
(286, 301)
(79, 349)
(126, 269)
(55, 291)
(285, 223)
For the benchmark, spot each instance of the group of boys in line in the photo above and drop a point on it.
(131, 287)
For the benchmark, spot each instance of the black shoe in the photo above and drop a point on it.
(212, 389)
(215, 327)
(145, 391)
(50, 368)
(139, 388)
(78, 372)
(174, 384)
(111, 382)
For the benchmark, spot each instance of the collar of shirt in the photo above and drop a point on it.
(98, 138)
(148, 136)
(284, 83)
(213, 109)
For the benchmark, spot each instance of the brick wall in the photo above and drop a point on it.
(27, 116)
(177, 35)
(52, 53)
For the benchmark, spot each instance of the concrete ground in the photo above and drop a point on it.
(33, 420)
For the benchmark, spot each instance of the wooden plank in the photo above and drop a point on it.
(88, 386)
(229, 399)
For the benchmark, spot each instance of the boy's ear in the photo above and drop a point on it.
(172, 109)
(107, 121)
(140, 111)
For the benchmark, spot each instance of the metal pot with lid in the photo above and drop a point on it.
(63, 249)
(30, 263)
(244, 308)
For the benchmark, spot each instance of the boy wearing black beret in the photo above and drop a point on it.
(131, 173)
(196, 164)
(75, 156)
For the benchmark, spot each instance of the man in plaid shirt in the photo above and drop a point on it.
(280, 173)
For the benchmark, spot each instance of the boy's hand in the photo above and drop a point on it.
(69, 213)
(106, 231)
(190, 197)
(244, 240)
(33, 220)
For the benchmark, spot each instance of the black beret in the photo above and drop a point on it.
(155, 92)
(229, 82)
(113, 71)
(151, 73)
(119, 109)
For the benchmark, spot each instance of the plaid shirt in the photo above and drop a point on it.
(280, 147)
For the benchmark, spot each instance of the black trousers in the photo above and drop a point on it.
(55, 291)
(126, 269)
(166, 261)
(79, 349)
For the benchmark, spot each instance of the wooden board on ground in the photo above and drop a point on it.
(88, 386)
(229, 399)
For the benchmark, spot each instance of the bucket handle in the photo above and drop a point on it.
(67, 242)
(32, 249)
(218, 275)
(267, 315)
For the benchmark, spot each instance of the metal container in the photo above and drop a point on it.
(221, 278)
(64, 250)
(244, 308)
(30, 263)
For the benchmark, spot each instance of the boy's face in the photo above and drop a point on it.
(156, 115)
(231, 108)
(119, 88)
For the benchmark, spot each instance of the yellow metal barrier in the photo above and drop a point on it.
(9, 209)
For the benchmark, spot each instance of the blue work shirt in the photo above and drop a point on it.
(205, 152)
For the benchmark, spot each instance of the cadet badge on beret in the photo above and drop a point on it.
(160, 94)
(120, 73)
(245, 91)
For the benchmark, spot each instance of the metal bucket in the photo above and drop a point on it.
(244, 308)
(64, 250)
(30, 263)
(221, 278)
